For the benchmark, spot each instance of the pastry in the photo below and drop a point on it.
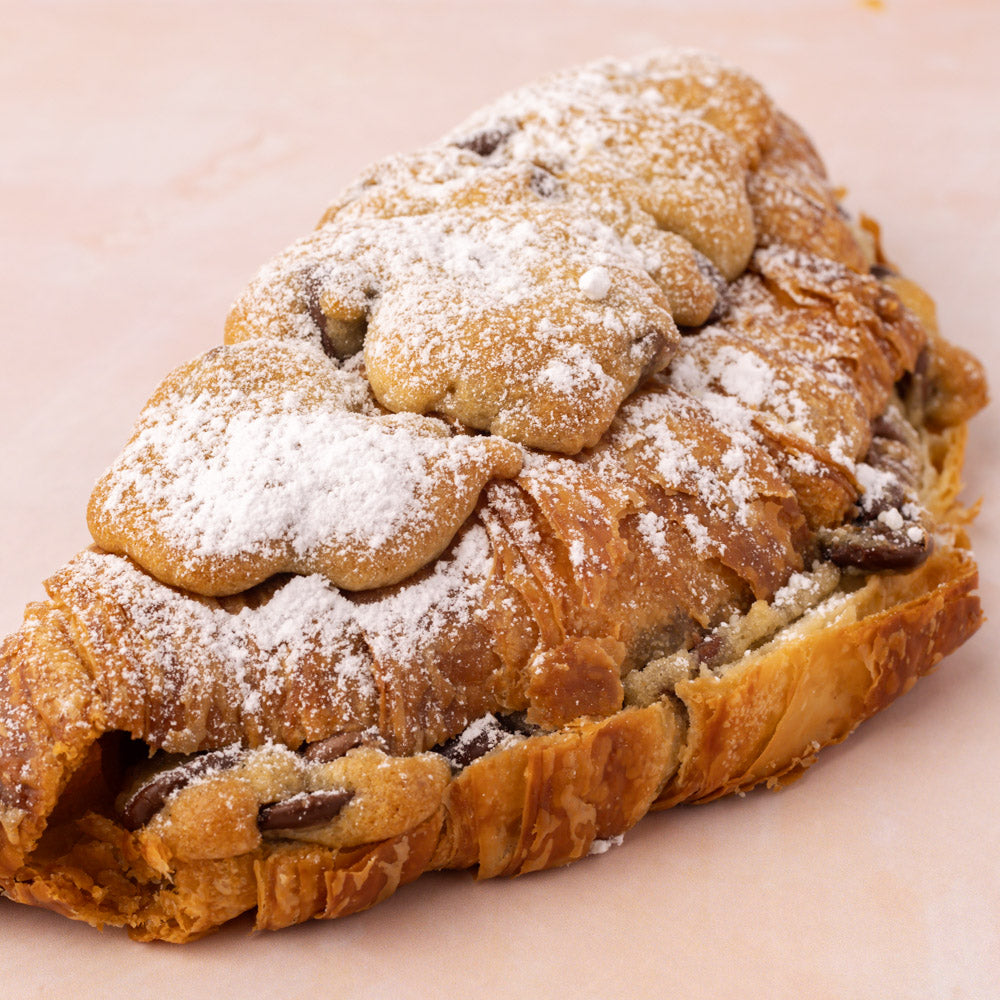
(589, 461)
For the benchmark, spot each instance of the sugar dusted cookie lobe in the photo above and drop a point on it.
(451, 176)
(478, 317)
(266, 458)
(683, 174)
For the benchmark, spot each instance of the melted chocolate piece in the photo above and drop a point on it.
(653, 340)
(318, 317)
(304, 810)
(888, 428)
(488, 140)
(516, 723)
(346, 339)
(712, 649)
(326, 343)
(543, 183)
(722, 299)
(892, 497)
(871, 542)
(340, 339)
(881, 271)
(333, 747)
(871, 550)
(150, 798)
(460, 751)
(719, 283)
(916, 388)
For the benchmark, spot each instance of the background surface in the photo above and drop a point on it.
(154, 155)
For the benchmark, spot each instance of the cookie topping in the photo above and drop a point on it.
(260, 459)
(465, 271)
(466, 311)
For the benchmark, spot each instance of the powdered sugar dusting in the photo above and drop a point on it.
(610, 127)
(301, 643)
(408, 620)
(176, 649)
(603, 846)
(653, 530)
(504, 281)
(677, 434)
(246, 468)
(480, 316)
(231, 480)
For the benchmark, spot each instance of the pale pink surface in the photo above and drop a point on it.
(154, 156)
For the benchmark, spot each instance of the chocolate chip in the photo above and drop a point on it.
(150, 798)
(879, 537)
(722, 301)
(327, 345)
(543, 183)
(516, 723)
(888, 426)
(871, 550)
(718, 281)
(890, 497)
(651, 342)
(332, 748)
(461, 752)
(881, 271)
(712, 649)
(916, 387)
(487, 141)
(304, 810)
(316, 314)
(481, 737)
(339, 338)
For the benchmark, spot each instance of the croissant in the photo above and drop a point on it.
(589, 461)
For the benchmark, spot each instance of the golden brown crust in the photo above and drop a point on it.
(544, 801)
(792, 203)
(302, 883)
(767, 717)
